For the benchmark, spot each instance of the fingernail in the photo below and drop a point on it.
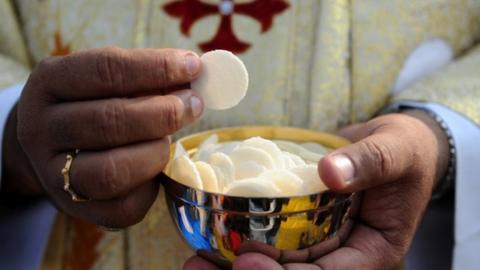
(345, 166)
(192, 63)
(196, 105)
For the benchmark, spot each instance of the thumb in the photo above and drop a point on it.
(379, 158)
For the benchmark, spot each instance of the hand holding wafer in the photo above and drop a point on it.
(118, 106)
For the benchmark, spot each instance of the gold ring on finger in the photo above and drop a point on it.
(66, 178)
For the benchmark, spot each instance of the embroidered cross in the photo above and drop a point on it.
(190, 11)
(59, 49)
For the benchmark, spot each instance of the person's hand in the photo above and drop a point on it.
(396, 161)
(118, 106)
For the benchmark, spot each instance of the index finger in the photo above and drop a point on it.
(115, 72)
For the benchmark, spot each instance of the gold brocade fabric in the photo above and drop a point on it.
(385, 32)
(11, 72)
(457, 86)
(13, 54)
(319, 65)
(330, 94)
(11, 40)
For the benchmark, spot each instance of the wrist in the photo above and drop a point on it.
(442, 145)
(18, 177)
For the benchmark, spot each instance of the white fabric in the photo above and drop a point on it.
(467, 189)
(8, 99)
(425, 59)
(466, 135)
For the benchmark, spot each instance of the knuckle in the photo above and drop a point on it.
(109, 176)
(380, 156)
(165, 71)
(110, 67)
(111, 121)
(173, 114)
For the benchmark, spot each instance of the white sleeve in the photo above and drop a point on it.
(8, 99)
(466, 135)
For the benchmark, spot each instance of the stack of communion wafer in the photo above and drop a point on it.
(255, 167)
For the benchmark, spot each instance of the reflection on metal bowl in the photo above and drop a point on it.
(217, 226)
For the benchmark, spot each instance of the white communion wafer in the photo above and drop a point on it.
(223, 179)
(223, 81)
(228, 147)
(297, 161)
(206, 148)
(269, 147)
(311, 180)
(184, 171)
(248, 169)
(288, 183)
(290, 147)
(296, 149)
(207, 174)
(179, 150)
(223, 167)
(315, 148)
(256, 155)
(288, 162)
(310, 156)
(253, 187)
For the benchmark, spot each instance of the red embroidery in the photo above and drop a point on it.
(60, 48)
(190, 11)
(82, 249)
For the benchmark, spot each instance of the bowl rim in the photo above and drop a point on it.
(328, 139)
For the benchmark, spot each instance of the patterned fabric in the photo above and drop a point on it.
(11, 41)
(385, 32)
(13, 55)
(314, 64)
(11, 72)
(330, 81)
(457, 86)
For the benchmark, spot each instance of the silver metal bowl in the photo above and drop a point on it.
(217, 226)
